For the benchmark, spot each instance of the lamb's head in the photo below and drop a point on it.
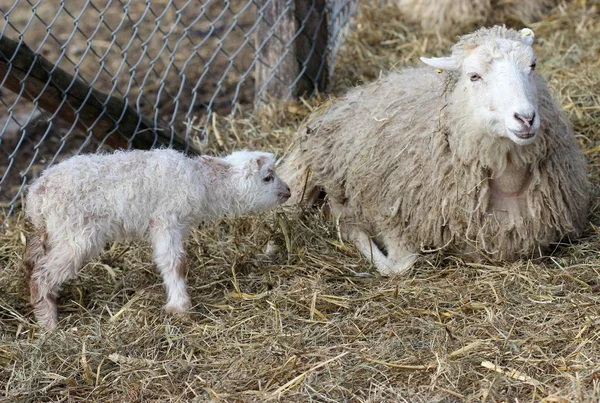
(495, 83)
(256, 184)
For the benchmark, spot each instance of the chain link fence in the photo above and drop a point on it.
(79, 75)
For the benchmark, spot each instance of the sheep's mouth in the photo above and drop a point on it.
(524, 135)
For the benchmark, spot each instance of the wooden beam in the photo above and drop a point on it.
(276, 67)
(100, 113)
(291, 40)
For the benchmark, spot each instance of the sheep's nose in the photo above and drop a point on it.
(525, 119)
(287, 193)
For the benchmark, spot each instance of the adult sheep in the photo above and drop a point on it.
(474, 159)
(444, 15)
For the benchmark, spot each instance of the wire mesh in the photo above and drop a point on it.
(139, 71)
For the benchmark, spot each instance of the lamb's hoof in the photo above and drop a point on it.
(178, 308)
(48, 324)
(46, 314)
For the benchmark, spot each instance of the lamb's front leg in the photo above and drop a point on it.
(169, 256)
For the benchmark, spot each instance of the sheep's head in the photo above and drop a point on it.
(494, 71)
(257, 186)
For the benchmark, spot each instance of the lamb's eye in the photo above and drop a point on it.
(474, 77)
(268, 178)
(533, 66)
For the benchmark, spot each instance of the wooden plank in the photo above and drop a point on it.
(276, 67)
(19, 66)
(291, 39)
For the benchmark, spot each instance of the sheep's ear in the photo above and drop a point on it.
(215, 163)
(527, 36)
(220, 165)
(255, 164)
(441, 63)
(261, 161)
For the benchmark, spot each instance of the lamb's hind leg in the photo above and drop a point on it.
(60, 264)
(169, 256)
(37, 247)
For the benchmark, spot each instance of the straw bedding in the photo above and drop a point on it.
(314, 322)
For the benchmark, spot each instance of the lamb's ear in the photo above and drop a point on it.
(527, 36)
(261, 161)
(215, 163)
(221, 165)
(441, 63)
(255, 164)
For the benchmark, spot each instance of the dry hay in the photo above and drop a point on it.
(315, 323)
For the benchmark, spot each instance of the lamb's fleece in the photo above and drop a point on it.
(398, 160)
(444, 15)
(124, 190)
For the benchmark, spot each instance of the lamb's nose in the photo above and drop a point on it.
(525, 119)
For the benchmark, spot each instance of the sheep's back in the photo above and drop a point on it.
(124, 188)
(375, 144)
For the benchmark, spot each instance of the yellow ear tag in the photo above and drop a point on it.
(526, 32)
(440, 71)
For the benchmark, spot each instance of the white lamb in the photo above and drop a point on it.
(474, 158)
(82, 203)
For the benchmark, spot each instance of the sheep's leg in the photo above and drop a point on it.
(400, 257)
(36, 249)
(169, 256)
(369, 249)
(60, 264)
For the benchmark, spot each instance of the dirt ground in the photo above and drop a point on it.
(316, 323)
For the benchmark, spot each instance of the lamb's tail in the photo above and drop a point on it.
(299, 178)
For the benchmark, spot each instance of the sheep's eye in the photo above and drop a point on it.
(475, 77)
(533, 66)
(268, 178)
